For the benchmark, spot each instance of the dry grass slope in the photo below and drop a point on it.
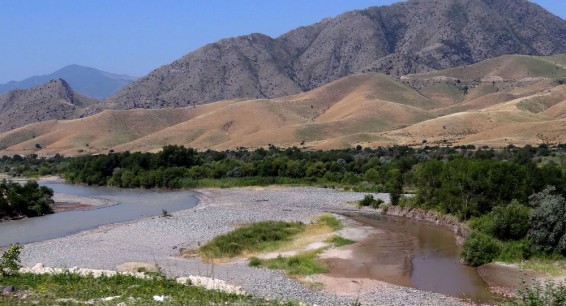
(511, 99)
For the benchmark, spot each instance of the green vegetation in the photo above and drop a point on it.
(548, 294)
(256, 237)
(305, 263)
(330, 221)
(339, 241)
(480, 249)
(24, 200)
(548, 226)
(368, 200)
(491, 189)
(72, 289)
(10, 260)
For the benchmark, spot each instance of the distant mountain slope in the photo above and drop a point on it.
(408, 37)
(52, 100)
(85, 80)
(476, 104)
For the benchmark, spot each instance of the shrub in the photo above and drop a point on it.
(10, 261)
(516, 250)
(368, 200)
(548, 221)
(549, 294)
(408, 202)
(483, 224)
(384, 207)
(510, 222)
(254, 262)
(480, 249)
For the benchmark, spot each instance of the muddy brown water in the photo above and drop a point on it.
(412, 254)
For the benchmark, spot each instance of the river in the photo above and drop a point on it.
(401, 251)
(412, 254)
(133, 204)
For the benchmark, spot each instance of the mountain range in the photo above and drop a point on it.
(407, 37)
(417, 72)
(85, 80)
(513, 99)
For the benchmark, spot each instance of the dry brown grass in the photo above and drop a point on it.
(366, 109)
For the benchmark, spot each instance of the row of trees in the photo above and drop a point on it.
(497, 190)
(473, 187)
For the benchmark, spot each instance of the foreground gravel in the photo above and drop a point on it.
(158, 240)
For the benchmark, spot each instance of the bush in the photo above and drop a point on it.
(480, 249)
(254, 262)
(408, 202)
(548, 221)
(510, 222)
(10, 260)
(483, 224)
(367, 200)
(549, 294)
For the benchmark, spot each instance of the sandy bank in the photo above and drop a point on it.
(68, 202)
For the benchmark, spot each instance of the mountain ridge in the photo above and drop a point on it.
(88, 81)
(49, 101)
(512, 99)
(403, 38)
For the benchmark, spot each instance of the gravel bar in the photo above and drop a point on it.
(158, 240)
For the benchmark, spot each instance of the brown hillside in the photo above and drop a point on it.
(367, 109)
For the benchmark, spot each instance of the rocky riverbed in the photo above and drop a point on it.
(159, 240)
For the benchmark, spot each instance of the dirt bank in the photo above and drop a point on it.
(70, 202)
(460, 230)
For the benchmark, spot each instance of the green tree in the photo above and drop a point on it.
(548, 221)
(510, 222)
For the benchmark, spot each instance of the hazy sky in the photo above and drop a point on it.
(137, 36)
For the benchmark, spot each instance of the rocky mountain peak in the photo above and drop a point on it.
(403, 38)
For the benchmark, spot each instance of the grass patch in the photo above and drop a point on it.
(256, 237)
(548, 266)
(303, 264)
(72, 289)
(339, 241)
(330, 221)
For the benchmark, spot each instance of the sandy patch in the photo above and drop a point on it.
(136, 267)
(347, 286)
(67, 202)
(506, 279)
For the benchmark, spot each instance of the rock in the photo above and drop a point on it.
(38, 266)
(8, 290)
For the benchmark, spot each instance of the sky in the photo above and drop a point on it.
(136, 36)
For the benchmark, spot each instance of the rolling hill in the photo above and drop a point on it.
(506, 100)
